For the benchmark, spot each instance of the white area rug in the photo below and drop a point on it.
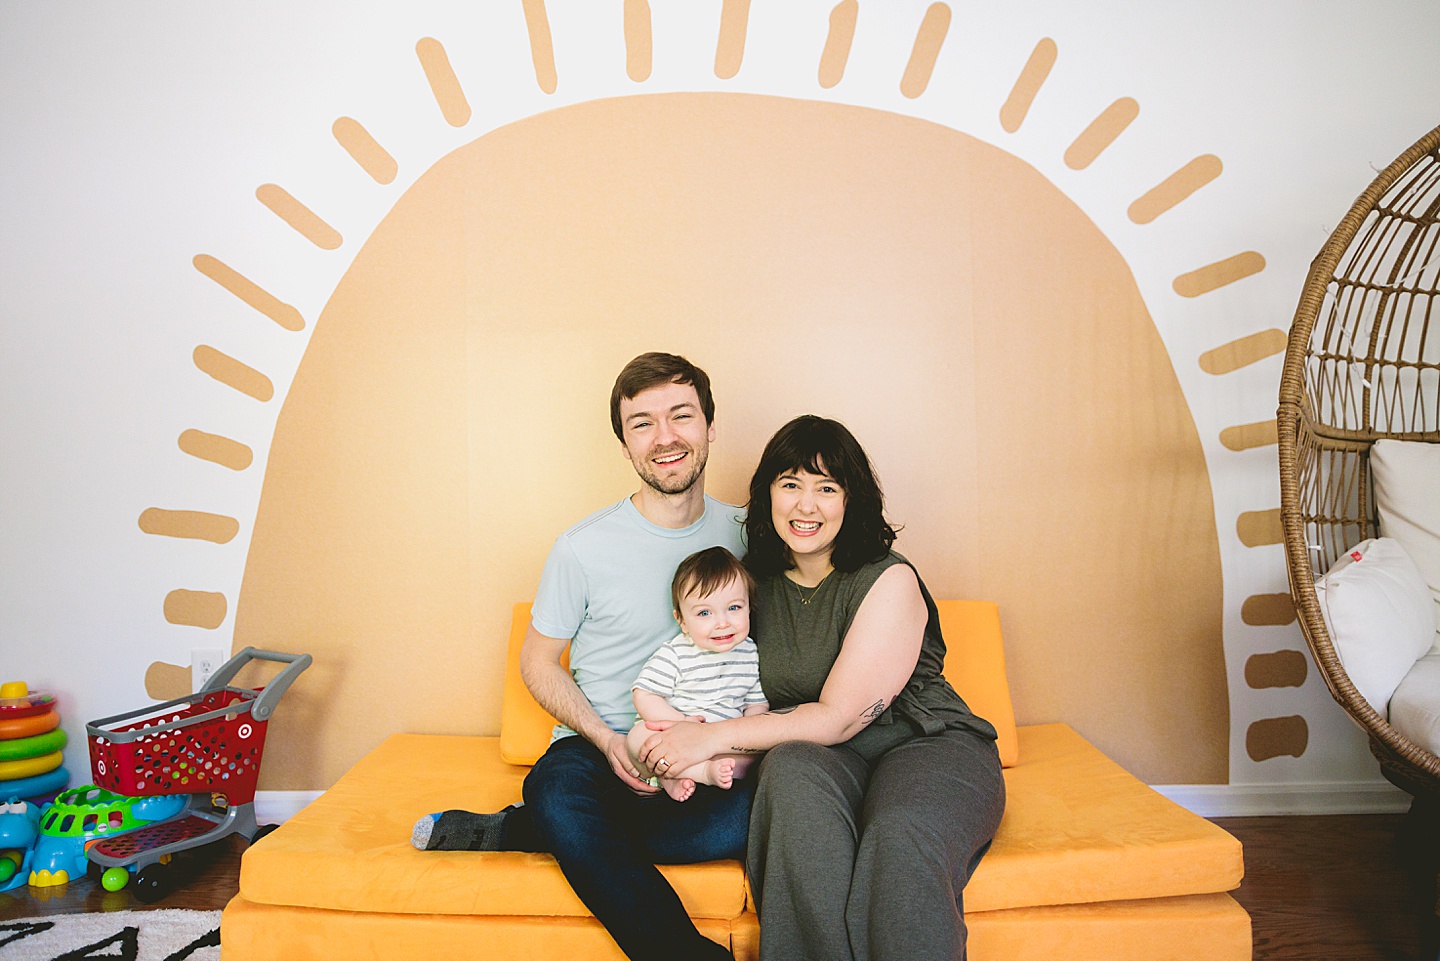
(162, 935)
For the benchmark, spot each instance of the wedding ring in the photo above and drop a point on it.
(662, 761)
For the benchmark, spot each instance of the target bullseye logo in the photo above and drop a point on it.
(100, 768)
(245, 731)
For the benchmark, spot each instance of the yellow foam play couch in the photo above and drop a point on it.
(1088, 861)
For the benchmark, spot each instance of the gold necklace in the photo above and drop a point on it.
(805, 601)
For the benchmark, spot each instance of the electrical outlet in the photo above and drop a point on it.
(204, 661)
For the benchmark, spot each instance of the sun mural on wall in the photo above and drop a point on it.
(982, 336)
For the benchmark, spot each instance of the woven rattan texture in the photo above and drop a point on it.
(1363, 363)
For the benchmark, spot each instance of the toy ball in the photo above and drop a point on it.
(19, 829)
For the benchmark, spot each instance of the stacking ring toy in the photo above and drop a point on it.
(35, 786)
(20, 749)
(29, 767)
(13, 727)
(16, 700)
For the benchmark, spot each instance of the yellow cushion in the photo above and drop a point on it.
(975, 667)
(267, 932)
(1209, 927)
(974, 663)
(525, 726)
(1078, 828)
(350, 849)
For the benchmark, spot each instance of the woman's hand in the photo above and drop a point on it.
(678, 744)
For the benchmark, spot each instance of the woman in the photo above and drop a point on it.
(880, 790)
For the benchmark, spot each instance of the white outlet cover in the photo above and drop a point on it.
(204, 661)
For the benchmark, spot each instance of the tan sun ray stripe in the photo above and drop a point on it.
(1213, 276)
(443, 82)
(1101, 133)
(165, 682)
(1268, 610)
(1176, 188)
(195, 608)
(542, 49)
(230, 372)
(1230, 357)
(216, 449)
(196, 525)
(246, 289)
(730, 48)
(1031, 79)
(298, 216)
(1260, 528)
(1277, 737)
(1280, 669)
(1248, 436)
(639, 41)
(837, 43)
(928, 41)
(374, 159)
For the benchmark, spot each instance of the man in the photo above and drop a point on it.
(605, 594)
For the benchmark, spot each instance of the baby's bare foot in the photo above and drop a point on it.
(722, 772)
(679, 788)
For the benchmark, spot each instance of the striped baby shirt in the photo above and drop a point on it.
(717, 685)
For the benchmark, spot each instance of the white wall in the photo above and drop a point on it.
(136, 133)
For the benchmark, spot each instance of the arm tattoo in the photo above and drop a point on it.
(873, 711)
(760, 750)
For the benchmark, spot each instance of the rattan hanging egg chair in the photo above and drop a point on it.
(1363, 363)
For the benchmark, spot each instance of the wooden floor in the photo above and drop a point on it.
(1340, 888)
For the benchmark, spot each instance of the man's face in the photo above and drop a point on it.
(666, 437)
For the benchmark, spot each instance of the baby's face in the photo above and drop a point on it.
(717, 621)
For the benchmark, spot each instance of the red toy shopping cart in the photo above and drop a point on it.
(208, 746)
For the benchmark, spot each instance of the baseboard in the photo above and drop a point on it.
(273, 807)
(1206, 800)
(1262, 800)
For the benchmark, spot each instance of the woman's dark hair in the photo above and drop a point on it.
(818, 445)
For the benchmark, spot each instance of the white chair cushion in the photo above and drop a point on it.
(1380, 616)
(1407, 495)
(1415, 705)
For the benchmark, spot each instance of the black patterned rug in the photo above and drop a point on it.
(164, 934)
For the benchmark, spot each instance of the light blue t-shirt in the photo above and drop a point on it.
(606, 586)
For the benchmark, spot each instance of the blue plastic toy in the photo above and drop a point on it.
(19, 827)
(83, 816)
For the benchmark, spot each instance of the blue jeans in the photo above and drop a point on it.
(607, 840)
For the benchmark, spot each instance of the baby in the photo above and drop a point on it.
(710, 672)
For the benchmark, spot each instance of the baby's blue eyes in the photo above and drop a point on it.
(706, 612)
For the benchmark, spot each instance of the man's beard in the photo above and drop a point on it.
(676, 484)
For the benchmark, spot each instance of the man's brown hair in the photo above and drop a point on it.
(655, 369)
(705, 572)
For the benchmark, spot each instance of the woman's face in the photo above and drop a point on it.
(807, 510)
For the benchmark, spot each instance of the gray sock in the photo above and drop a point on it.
(460, 831)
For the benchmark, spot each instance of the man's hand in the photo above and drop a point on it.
(623, 767)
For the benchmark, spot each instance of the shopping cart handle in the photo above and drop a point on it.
(262, 706)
